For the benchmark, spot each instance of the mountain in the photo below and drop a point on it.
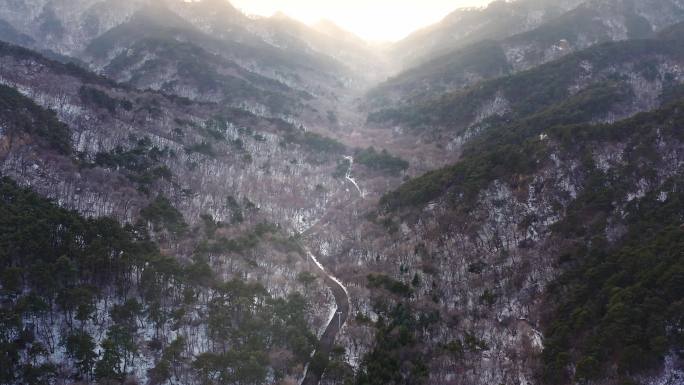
(482, 60)
(215, 17)
(329, 39)
(65, 27)
(541, 254)
(548, 252)
(104, 115)
(160, 49)
(590, 23)
(192, 182)
(10, 34)
(498, 20)
(157, 49)
(192, 196)
(333, 30)
(615, 79)
(186, 190)
(219, 19)
(273, 66)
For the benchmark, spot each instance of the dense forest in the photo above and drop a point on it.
(190, 194)
(519, 149)
(618, 306)
(533, 91)
(23, 117)
(111, 295)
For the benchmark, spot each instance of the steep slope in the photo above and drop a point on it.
(548, 253)
(201, 179)
(91, 300)
(456, 273)
(330, 48)
(157, 49)
(366, 64)
(620, 79)
(591, 23)
(498, 20)
(10, 34)
(25, 122)
(216, 147)
(479, 61)
(65, 26)
(204, 50)
(68, 282)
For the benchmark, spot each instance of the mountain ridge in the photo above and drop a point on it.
(590, 23)
(212, 198)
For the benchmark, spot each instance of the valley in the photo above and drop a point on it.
(191, 195)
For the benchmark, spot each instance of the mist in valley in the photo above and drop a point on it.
(348, 193)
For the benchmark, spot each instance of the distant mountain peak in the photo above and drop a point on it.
(326, 23)
(330, 28)
(217, 5)
(281, 15)
(158, 13)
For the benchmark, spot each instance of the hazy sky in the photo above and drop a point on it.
(377, 20)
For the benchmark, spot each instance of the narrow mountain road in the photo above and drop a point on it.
(327, 341)
(312, 375)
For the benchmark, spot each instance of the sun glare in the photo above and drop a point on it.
(374, 20)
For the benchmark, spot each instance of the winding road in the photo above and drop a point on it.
(327, 341)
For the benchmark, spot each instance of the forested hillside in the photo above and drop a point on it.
(193, 195)
(566, 231)
(556, 29)
(615, 80)
(89, 299)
